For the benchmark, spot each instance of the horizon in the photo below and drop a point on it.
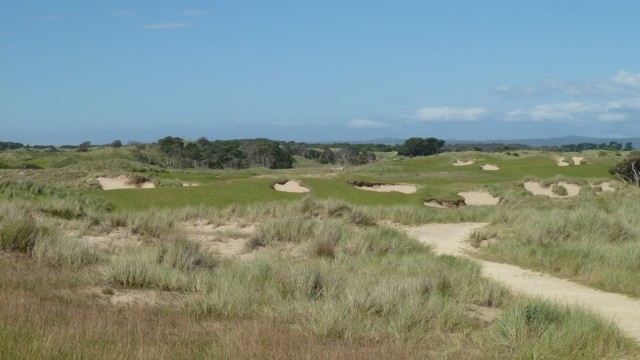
(75, 71)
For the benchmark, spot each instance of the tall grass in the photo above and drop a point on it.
(593, 239)
(537, 329)
(176, 266)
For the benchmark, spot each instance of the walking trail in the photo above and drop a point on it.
(451, 239)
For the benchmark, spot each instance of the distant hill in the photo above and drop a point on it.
(555, 141)
(384, 141)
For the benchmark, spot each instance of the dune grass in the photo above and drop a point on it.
(326, 277)
(593, 239)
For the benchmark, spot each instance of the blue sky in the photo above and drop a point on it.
(101, 70)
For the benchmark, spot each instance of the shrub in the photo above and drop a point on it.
(559, 190)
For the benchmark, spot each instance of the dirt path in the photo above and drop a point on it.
(451, 239)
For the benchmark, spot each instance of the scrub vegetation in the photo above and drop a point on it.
(232, 269)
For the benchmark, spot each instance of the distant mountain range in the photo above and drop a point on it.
(554, 141)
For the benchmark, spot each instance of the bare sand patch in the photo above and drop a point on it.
(291, 186)
(186, 184)
(122, 182)
(116, 239)
(562, 162)
(463, 162)
(226, 241)
(402, 188)
(479, 198)
(537, 189)
(490, 167)
(577, 160)
(603, 187)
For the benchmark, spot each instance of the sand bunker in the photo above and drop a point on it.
(603, 187)
(190, 184)
(479, 198)
(291, 186)
(561, 162)
(577, 160)
(537, 189)
(122, 182)
(444, 204)
(403, 188)
(490, 167)
(463, 163)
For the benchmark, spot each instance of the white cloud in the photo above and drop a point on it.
(621, 84)
(194, 12)
(165, 26)
(628, 79)
(122, 13)
(612, 117)
(364, 123)
(444, 113)
(618, 110)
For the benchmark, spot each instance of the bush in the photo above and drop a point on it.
(629, 169)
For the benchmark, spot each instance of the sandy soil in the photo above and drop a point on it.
(451, 239)
(562, 162)
(117, 239)
(577, 160)
(463, 163)
(606, 186)
(537, 189)
(122, 182)
(403, 188)
(479, 198)
(226, 241)
(490, 167)
(190, 184)
(291, 186)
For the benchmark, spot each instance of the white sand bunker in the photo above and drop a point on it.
(479, 198)
(577, 160)
(603, 187)
(561, 162)
(537, 189)
(463, 162)
(291, 186)
(402, 188)
(123, 182)
(190, 184)
(490, 167)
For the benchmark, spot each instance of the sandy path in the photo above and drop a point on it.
(451, 239)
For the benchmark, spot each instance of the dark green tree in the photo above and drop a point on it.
(629, 169)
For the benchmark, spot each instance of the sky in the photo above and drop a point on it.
(317, 70)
